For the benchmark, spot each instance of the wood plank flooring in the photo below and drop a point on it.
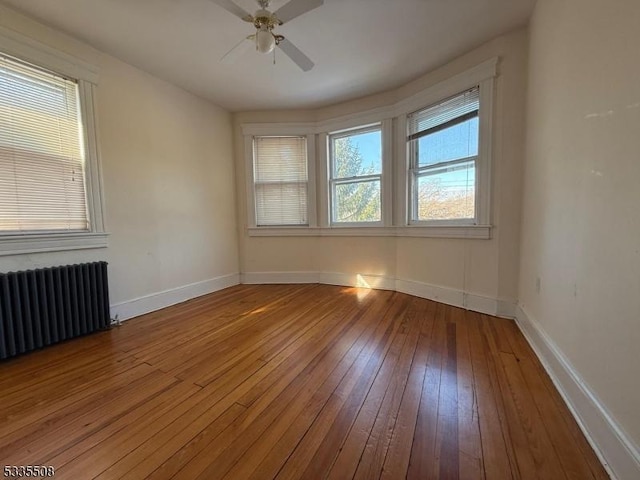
(293, 381)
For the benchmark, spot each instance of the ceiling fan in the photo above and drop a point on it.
(264, 21)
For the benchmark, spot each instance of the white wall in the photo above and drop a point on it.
(487, 268)
(581, 215)
(168, 179)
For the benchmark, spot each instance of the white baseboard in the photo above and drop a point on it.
(457, 298)
(379, 282)
(614, 448)
(268, 278)
(506, 309)
(431, 292)
(155, 301)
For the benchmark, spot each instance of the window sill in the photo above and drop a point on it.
(478, 232)
(50, 242)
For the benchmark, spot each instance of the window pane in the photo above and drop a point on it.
(42, 154)
(446, 193)
(357, 202)
(281, 204)
(457, 141)
(357, 154)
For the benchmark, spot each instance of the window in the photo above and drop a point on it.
(418, 167)
(50, 179)
(42, 156)
(443, 160)
(356, 176)
(280, 176)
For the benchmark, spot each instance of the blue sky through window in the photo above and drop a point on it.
(370, 146)
(453, 143)
(458, 141)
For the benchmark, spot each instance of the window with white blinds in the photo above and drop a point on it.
(42, 157)
(280, 177)
(443, 142)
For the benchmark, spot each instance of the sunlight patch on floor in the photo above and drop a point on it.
(363, 287)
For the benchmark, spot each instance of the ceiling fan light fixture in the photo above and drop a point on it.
(265, 41)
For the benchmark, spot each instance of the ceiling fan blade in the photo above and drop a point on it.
(296, 55)
(238, 49)
(231, 7)
(295, 8)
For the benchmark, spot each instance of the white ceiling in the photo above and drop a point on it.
(359, 46)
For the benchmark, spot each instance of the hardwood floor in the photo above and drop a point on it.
(293, 381)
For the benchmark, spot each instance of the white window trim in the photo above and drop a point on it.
(249, 134)
(479, 232)
(32, 51)
(358, 178)
(482, 163)
(395, 167)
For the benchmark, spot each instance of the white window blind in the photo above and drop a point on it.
(42, 181)
(280, 180)
(444, 112)
(443, 146)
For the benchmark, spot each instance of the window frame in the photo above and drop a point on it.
(250, 178)
(415, 171)
(28, 50)
(258, 183)
(333, 182)
(482, 76)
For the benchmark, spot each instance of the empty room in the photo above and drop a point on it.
(307, 239)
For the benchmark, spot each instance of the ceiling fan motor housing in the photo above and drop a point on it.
(265, 19)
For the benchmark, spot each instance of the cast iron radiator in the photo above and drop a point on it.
(45, 306)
